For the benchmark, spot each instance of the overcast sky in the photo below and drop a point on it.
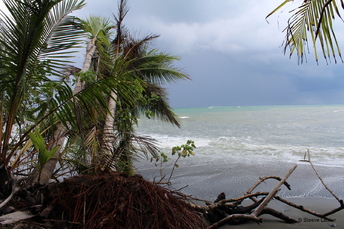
(232, 54)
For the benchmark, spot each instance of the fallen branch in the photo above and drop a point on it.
(234, 218)
(230, 211)
(321, 180)
(302, 208)
(15, 189)
(277, 214)
(259, 209)
(15, 217)
(227, 203)
(262, 179)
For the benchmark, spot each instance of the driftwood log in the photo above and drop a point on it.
(230, 211)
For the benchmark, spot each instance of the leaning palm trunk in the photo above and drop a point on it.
(60, 132)
(90, 51)
(109, 125)
(108, 131)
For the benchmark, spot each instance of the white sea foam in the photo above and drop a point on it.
(257, 133)
(167, 142)
(237, 146)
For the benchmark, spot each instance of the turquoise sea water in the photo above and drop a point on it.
(260, 140)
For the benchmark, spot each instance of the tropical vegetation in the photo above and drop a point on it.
(57, 119)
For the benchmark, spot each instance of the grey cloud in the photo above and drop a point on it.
(232, 54)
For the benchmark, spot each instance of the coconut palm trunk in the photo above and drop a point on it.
(108, 131)
(34, 32)
(109, 124)
(59, 136)
(90, 51)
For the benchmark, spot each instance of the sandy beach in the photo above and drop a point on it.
(208, 180)
(234, 178)
(320, 205)
(238, 145)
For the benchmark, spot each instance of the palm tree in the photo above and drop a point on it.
(153, 68)
(117, 49)
(98, 30)
(149, 69)
(35, 38)
(314, 19)
(35, 99)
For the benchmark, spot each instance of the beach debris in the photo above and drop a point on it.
(221, 196)
(319, 177)
(110, 200)
(231, 211)
(116, 200)
(15, 217)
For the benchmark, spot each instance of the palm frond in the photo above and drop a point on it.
(28, 33)
(121, 31)
(159, 105)
(312, 21)
(156, 67)
(134, 48)
(126, 148)
(61, 33)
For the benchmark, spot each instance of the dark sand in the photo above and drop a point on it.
(319, 205)
(206, 180)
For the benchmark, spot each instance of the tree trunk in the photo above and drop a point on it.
(90, 51)
(60, 132)
(109, 125)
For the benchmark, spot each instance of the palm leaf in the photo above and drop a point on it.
(314, 19)
(43, 153)
(159, 105)
(31, 31)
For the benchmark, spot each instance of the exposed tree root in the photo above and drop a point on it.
(119, 201)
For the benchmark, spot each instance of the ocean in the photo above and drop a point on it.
(236, 145)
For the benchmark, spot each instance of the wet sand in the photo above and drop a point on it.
(207, 180)
(320, 205)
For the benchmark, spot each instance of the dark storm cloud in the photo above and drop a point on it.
(229, 80)
(232, 54)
